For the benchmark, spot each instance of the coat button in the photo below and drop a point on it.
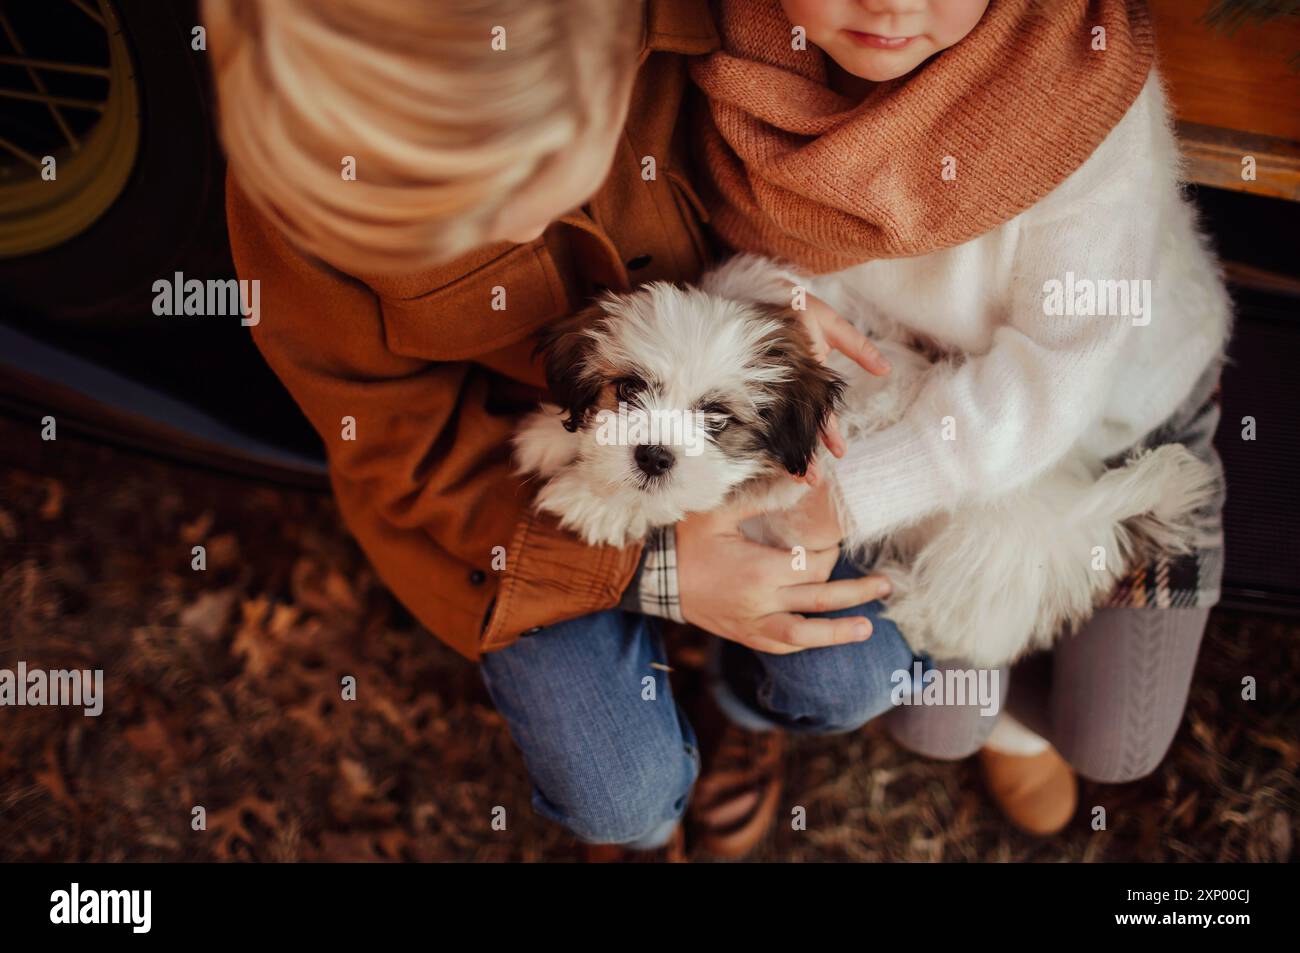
(476, 577)
(639, 262)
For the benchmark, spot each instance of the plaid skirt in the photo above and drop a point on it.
(1192, 580)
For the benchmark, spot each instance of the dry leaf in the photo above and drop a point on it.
(52, 508)
(195, 531)
(51, 779)
(229, 827)
(223, 551)
(209, 613)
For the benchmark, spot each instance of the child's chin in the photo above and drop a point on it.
(880, 66)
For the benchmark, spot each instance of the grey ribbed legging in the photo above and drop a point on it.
(1109, 698)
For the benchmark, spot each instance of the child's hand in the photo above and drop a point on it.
(829, 331)
(754, 594)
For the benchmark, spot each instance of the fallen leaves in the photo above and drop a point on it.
(197, 529)
(228, 830)
(223, 689)
(207, 615)
(52, 507)
(252, 642)
(50, 777)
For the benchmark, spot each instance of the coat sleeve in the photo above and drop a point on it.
(419, 464)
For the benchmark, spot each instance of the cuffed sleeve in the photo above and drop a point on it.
(654, 589)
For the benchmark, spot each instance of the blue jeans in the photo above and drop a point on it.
(610, 754)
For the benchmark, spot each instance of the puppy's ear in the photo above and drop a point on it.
(793, 421)
(566, 349)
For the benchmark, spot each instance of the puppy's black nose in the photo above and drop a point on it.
(654, 459)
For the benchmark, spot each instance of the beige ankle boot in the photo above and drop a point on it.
(1029, 780)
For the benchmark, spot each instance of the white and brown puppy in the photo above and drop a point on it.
(984, 581)
(673, 401)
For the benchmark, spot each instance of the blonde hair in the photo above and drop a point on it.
(444, 128)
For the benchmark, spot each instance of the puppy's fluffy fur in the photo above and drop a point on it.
(983, 582)
(743, 370)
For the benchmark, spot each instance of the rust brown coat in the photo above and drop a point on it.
(435, 379)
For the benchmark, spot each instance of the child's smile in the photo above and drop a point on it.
(878, 40)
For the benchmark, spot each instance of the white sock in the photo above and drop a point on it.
(1011, 737)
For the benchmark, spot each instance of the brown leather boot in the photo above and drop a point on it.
(739, 789)
(1038, 793)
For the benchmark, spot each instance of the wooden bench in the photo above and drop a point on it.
(1236, 97)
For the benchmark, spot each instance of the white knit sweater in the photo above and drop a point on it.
(1035, 384)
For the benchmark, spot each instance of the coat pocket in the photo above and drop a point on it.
(491, 307)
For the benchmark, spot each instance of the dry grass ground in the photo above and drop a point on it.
(223, 691)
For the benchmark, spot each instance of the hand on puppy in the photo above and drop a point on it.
(829, 331)
(753, 594)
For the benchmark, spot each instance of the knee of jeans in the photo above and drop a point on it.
(842, 688)
(841, 705)
(629, 804)
(845, 715)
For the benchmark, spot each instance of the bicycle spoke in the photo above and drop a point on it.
(20, 153)
(39, 84)
(94, 15)
(65, 101)
(55, 67)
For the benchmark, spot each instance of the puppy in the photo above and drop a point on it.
(673, 401)
(983, 582)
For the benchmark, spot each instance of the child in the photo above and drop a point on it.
(971, 159)
(422, 188)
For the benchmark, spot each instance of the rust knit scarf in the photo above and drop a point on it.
(793, 169)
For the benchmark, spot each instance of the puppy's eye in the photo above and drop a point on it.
(627, 388)
(716, 416)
